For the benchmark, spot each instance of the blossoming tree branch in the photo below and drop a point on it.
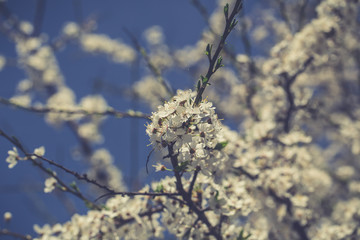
(266, 144)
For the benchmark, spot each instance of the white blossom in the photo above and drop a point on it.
(40, 151)
(7, 216)
(13, 157)
(71, 29)
(50, 184)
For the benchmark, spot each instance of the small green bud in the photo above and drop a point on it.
(218, 63)
(233, 24)
(208, 50)
(203, 79)
(74, 186)
(226, 10)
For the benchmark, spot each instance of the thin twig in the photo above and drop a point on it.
(5, 232)
(64, 187)
(39, 17)
(155, 70)
(130, 194)
(147, 160)
(44, 110)
(283, 13)
(197, 170)
(252, 70)
(302, 14)
(215, 60)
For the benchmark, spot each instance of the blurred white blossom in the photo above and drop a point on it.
(7, 216)
(50, 184)
(115, 49)
(154, 35)
(13, 157)
(71, 29)
(2, 62)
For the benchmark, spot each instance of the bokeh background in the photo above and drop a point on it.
(21, 188)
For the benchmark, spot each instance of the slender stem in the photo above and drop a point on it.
(43, 110)
(214, 59)
(5, 232)
(39, 17)
(130, 194)
(155, 70)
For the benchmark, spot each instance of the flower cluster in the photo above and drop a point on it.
(190, 134)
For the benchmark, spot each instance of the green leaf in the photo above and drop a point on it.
(159, 188)
(182, 166)
(219, 60)
(218, 63)
(233, 24)
(221, 145)
(74, 186)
